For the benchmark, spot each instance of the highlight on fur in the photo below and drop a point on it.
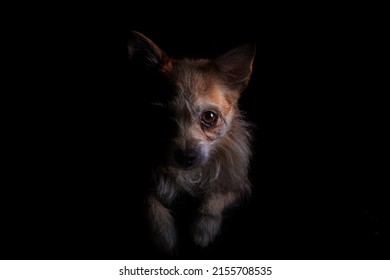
(205, 149)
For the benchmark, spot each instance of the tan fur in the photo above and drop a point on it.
(162, 222)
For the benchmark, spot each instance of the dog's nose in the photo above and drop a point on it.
(186, 158)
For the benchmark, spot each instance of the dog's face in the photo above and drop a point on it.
(197, 99)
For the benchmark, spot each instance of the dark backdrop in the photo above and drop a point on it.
(77, 180)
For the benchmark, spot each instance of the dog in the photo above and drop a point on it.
(203, 145)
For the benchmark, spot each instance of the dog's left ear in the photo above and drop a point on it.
(235, 66)
(142, 49)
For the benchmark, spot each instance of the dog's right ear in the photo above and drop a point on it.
(142, 49)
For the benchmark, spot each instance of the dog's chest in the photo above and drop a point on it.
(192, 182)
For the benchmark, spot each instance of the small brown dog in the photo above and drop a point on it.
(207, 153)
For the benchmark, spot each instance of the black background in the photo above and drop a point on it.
(75, 188)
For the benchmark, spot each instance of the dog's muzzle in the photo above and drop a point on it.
(188, 158)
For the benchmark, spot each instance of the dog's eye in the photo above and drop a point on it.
(209, 118)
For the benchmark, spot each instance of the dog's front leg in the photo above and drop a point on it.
(210, 217)
(162, 224)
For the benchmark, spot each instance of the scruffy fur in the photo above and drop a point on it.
(207, 152)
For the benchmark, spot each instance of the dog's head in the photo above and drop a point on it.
(193, 101)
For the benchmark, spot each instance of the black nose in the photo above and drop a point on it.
(186, 158)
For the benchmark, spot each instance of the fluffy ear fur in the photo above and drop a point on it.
(235, 66)
(142, 49)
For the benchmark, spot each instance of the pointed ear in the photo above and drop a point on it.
(235, 66)
(142, 49)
